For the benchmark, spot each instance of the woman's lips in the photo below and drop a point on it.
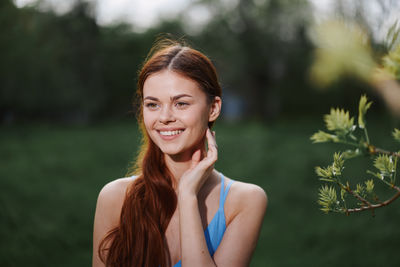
(170, 134)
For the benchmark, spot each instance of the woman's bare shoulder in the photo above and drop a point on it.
(116, 188)
(246, 197)
(108, 211)
(247, 191)
(112, 196)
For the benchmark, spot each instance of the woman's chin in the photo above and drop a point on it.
(181, 151)
(178, 154)
(171, 150)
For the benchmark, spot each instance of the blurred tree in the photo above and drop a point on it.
(50, 66)
(8, 12)
(351, 44)
(261, 50)
(343, 48)
(67, 67)
(371, 16)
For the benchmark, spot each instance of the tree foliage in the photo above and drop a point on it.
(66, 67)
(342, 129)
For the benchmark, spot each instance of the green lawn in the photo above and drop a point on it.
(50, 177)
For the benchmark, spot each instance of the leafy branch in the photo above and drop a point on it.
(342, 129)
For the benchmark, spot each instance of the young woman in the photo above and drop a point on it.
(176, 210)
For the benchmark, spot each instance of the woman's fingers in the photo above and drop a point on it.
(211, 138)
(196, 158)
(200, 169)
(212, 153)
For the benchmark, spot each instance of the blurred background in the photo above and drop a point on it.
(67, 125)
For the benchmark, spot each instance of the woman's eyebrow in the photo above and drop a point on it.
(179, 96)
(151, 98)
(173, 98)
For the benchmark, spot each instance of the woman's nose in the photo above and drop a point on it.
(166, 115)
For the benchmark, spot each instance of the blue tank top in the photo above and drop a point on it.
(216, 229)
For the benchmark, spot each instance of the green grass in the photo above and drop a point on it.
(50, 177)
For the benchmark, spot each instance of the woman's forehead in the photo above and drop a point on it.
(169, 83)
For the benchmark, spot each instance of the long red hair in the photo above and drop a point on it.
(150, 201)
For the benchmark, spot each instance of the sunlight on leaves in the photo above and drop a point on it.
(327, 198)
(339, 121)
(321, 137)
(385, 165)
(391, 63)
(338, 163)
(360, 190)
(341, 48)
(348, 154)
(325, 174)
(369, 186)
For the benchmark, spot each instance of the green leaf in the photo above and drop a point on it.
(369, 186)
(385, 165)
(339, 121)
(377, 175)
(322, 137)
(396, 134)
(348, 154)
(327, 198)
(362, 110)
(324, 172)
(338, 164)
(360, 190)
(343, 194)
(331, 172)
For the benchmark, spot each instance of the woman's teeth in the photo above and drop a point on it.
(170, 133)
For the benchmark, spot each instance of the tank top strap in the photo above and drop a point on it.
(224, 191)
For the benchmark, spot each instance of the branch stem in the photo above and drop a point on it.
(368, 205)
(348, 143)
(375, 206)
(366, 134)
(376, 150)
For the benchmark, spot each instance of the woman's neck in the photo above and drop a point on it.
(179, 164)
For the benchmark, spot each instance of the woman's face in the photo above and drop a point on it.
(176, 112)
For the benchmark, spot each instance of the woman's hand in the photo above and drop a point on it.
(193, 179)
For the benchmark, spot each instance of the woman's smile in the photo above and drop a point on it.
(170, 134)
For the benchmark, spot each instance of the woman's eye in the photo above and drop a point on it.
(151, 105)
(181, 104)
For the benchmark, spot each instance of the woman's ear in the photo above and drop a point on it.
(215, 109)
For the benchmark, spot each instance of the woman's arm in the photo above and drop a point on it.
(108, 211)
(247, 203)
(194, 251)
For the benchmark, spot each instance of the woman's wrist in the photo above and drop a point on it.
(185, 188)
(185, 194)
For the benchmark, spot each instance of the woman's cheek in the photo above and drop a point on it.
(148, 119)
